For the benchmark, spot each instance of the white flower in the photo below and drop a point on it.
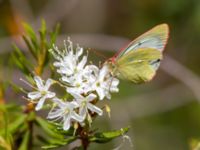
(77, 84)
(105, 83)
(42, 92)
(85, 104)
(72, 66)
(72, 70)
(68, 60)
(82, 82)
(81, 78)
(65, 110)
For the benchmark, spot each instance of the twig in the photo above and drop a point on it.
(183, 74)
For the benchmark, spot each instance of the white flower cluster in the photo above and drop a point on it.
(85, 83)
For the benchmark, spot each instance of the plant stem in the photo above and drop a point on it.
(30, 109)
(30, 124)
(84, 136)
(85, 143)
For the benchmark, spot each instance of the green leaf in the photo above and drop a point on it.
(42, 139)
(6, 138)
(29, 30)
(59, 129)
(16, 124)
(31, 116)
(43, 27)
(104, 137)
(30, 47)
(4, 144)
(56, 137)
(56, 143)
(10, 108)
(17, 88)
(20, 60)
(25, 142)
(33, 44)
(48, 128)
(54, 34)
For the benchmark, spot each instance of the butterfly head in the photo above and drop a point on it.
(111, 65)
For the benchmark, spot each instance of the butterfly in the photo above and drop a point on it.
(140, 59)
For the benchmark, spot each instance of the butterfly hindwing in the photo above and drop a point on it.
(136, 66)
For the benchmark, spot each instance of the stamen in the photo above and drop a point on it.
(27, 83)
(75, 128)
(26, 98)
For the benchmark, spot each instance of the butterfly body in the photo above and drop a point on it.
(139, 61)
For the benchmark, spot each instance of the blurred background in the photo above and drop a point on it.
(163, 114)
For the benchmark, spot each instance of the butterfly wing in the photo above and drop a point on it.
(155, 38)
(139, 61)
(136, 66)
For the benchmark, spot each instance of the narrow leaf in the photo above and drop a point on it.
(30, 46)
(29, 30)
(56, 143)
(25, 142)
(103, 137)
(54, 34)
(4, 144)
(15, 125)
(48, 128)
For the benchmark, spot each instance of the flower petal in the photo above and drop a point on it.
(40, 103)
(73, 104)
(65, 70)
(48, 83)
(76, 95)
(78, 90)
(58, 64)
(108, 96)
(101, 93)
(82, 63)
(93, 108)
(59, 102)
(66, 79)
(91, 97)
(114, 89)
(92, 68)
(67, 122)
(54, 114)
(83, 112)
(115, 82)
(50, 94)
(79, 52)
(103, 72)
(76, 117)
(34, 95)
(39, 82)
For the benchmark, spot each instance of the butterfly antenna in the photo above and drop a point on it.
(111, 82)
(98, 53)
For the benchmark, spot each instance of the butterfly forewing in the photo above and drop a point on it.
(155, 38)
